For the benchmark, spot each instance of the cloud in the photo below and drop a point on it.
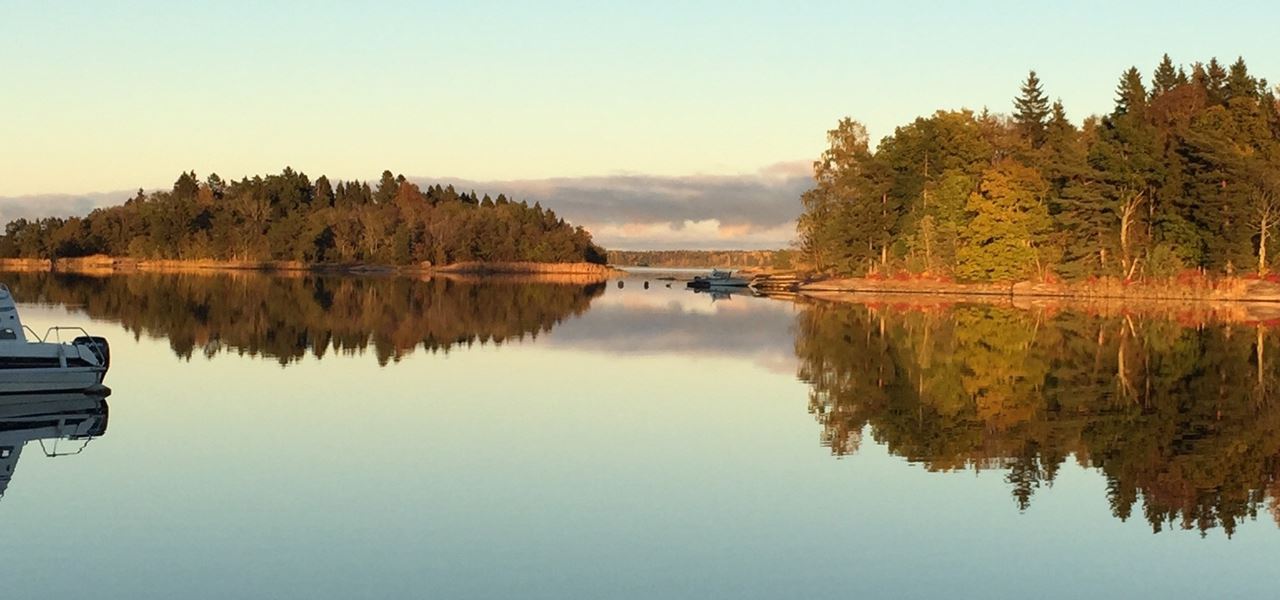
(57, 205)
(633, 211)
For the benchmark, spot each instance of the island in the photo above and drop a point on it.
(287, 221)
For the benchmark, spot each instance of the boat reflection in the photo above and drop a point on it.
(60, 424)
(723, 293)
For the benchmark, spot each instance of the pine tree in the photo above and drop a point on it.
(1031, 110)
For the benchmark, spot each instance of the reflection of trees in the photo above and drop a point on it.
(286, 317)
(1185, 419)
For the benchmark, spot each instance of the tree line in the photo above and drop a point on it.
(290, 217)
(1183, 174)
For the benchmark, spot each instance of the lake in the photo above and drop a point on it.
(381, 437)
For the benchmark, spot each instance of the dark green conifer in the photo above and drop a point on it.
(1131, 94)
(1166, 77)
(1031, 110)
(387, 188)
(1239, 83)
(1215, 80)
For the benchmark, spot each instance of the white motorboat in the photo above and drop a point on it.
(30, 363)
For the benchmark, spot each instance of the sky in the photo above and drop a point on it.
(699, 100)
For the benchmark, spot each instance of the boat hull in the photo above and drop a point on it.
(55, 379)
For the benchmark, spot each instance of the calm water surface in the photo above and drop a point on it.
(389, 438)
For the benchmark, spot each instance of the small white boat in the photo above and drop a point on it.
(717, 279)
(30, 363)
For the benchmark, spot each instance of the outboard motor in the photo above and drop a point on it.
(99, 347)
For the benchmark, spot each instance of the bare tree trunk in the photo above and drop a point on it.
(1266, 210)
(1127, 215)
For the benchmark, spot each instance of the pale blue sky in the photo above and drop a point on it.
(115, 95)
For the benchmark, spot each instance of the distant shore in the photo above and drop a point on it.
(110, 264)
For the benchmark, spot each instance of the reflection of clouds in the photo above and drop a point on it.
(676, 321)
(677, 298)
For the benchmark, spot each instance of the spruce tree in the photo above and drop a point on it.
(1166, 77)
(1215, 79)
(1031, 110)
(387, 188)
(1131, 94)
(324, 191)
(1239, 84)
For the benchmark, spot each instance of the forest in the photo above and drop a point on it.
(1181, 177)
(288, 217)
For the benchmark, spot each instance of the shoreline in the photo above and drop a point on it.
(1233, 289)
(108, 265)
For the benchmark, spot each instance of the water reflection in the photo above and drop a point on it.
(60, 424)
(1183, 419)
(287, 317)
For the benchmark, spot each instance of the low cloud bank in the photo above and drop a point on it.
(647, 212)
(57, 205)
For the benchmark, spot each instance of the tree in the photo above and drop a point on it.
(1127, 162)
(1010, 221)
(186, 187)
(387, 188)
(1215, 79)
(1031, 109)
(1166, 77)
(1239, 84)
(1131, 94)
(324, 192)
(847, 217)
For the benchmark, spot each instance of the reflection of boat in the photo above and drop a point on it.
(717, 279)
(38, 365)
(724, 293)
(50, 419)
